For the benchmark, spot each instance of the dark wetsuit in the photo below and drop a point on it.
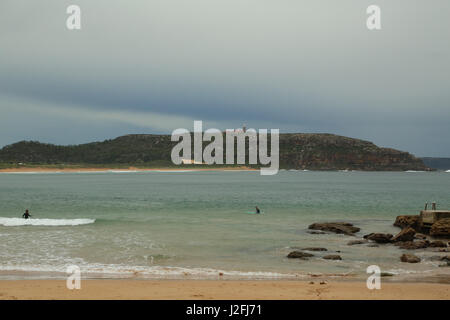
(26, 215)
(257, 210)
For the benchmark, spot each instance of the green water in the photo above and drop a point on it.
(196, 224)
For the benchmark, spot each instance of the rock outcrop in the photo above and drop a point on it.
(353, 242)
(405, 221)
(413, 245)
(336, 227)
(333, 257)
(438, 244)
(441, 228)
(420, 236)
(299, 255)
(379, 237)
(406, 234)
(410, 258)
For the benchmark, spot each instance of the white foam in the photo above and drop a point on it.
(161, 272)
(15, 222)
(414, 171)
(447, 171)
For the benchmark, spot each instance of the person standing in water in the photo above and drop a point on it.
(26, 215)
(257, 210)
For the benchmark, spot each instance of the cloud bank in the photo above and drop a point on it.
(153, 66)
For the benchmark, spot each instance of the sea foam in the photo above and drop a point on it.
(152, 272)
(15, 222)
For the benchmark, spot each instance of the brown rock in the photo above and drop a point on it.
(353, 242)
(336, 227)
(379, 237)
(407, 221)
(420, 236)
(386, 274)
(407, 234)
(438, 244)
(410, 258)
(412, 245)
(315, 249)
(441, 228)
(333, 257)
(299, 255)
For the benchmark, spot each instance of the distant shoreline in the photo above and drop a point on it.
(108, 169)
(81, 169)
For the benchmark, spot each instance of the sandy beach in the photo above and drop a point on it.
(217, 290)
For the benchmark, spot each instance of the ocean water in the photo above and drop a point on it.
(196, 224)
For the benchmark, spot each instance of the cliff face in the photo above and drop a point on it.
(297, 151)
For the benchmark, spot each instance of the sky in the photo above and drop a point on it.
(153, 66)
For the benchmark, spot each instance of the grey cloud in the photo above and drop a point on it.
(295, 65)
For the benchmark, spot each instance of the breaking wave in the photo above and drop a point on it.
(150, 272)
(15, 222)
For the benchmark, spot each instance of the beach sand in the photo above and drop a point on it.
(217, 290)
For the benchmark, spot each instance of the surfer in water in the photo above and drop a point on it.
(26, 215)
(257, 210)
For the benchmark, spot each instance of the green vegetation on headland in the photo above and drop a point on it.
(297, 151)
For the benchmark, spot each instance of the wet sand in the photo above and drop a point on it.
(218, 290)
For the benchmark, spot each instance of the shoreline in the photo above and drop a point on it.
(432, 276)
(190, 168)
(111, 169)
(218, 290)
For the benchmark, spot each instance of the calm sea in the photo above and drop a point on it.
(198, 224)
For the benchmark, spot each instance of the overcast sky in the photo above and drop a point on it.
(152, 66)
